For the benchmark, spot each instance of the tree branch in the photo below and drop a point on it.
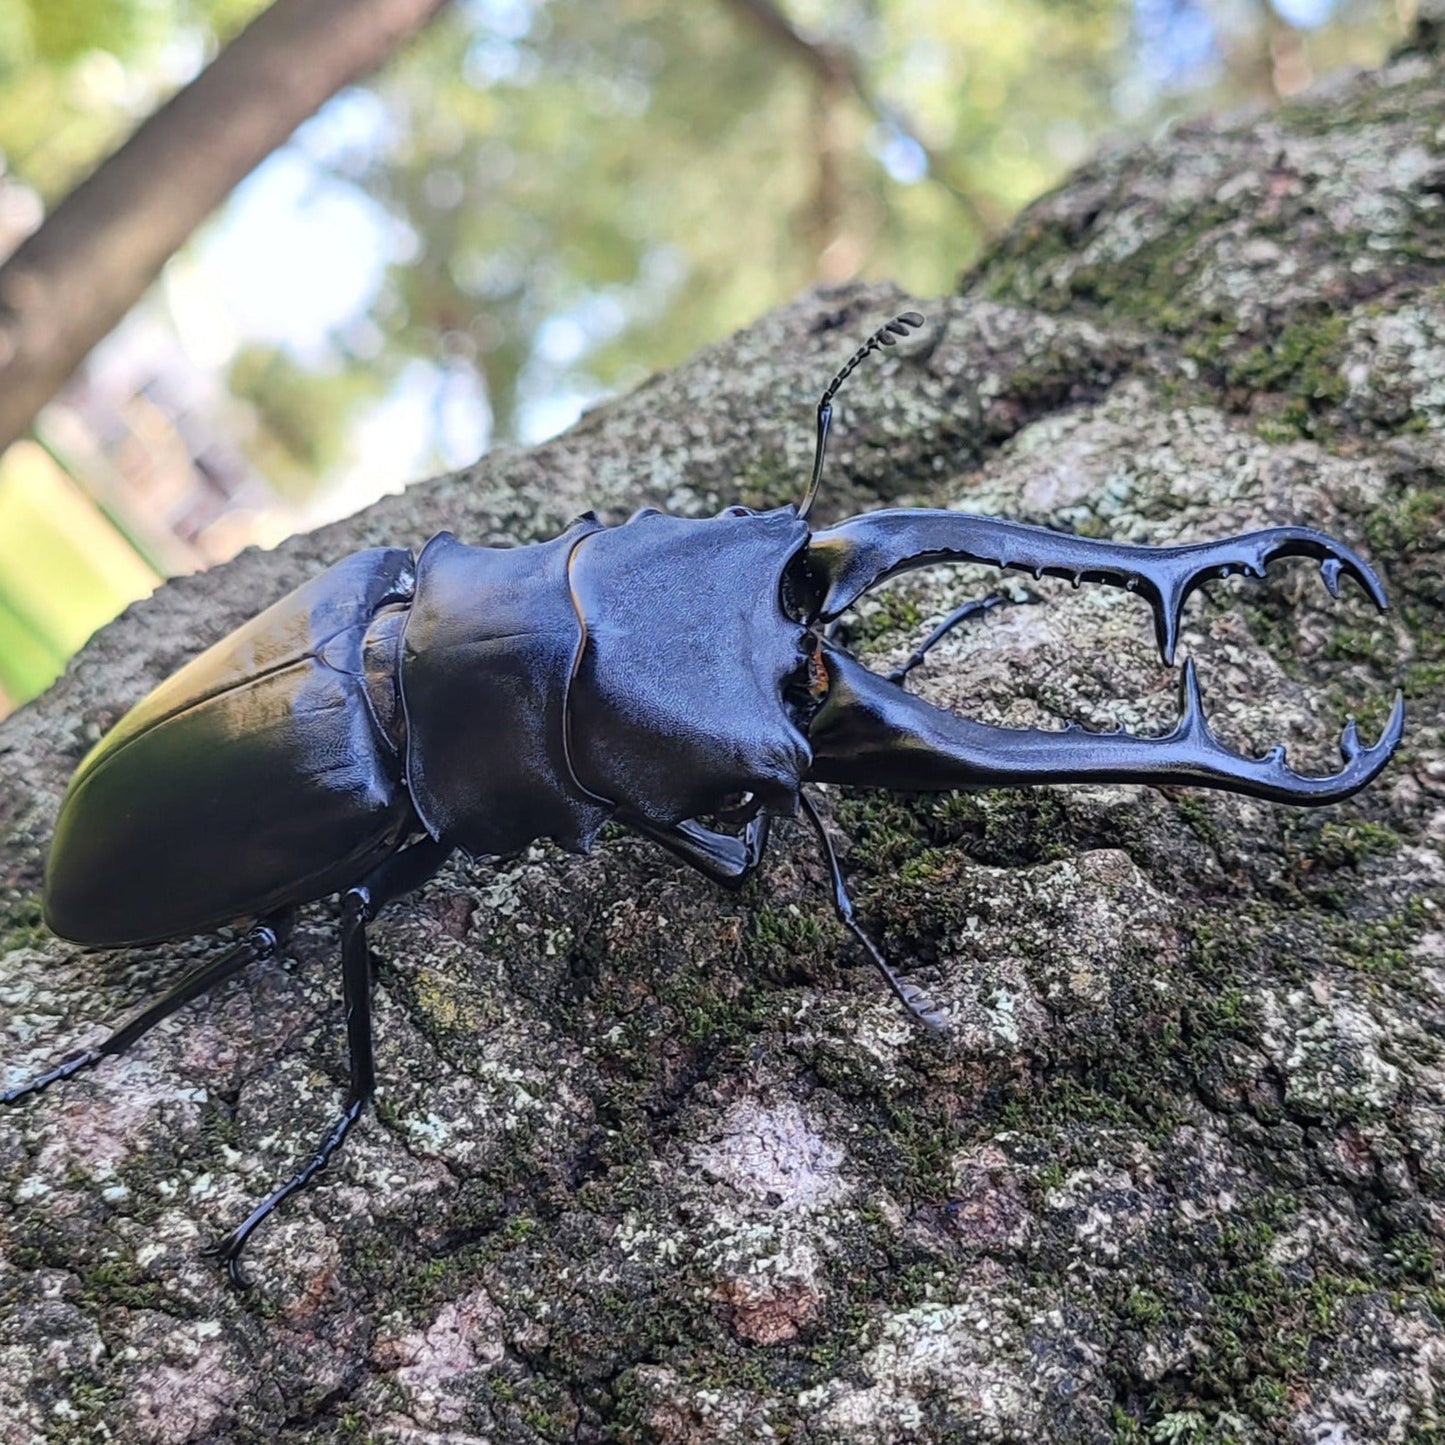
(70, 282)
(834, 66)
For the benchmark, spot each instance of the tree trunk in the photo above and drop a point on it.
(94, 256)
(655, 1162)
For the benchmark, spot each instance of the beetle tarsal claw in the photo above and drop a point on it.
(228, 1252)
(908, 993)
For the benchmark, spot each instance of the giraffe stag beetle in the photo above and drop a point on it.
(397, 708)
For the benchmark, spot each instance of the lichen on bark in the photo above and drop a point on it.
(654, 1163)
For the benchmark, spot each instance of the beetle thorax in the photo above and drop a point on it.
(678, 702)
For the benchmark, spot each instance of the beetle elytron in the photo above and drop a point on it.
(396, 708)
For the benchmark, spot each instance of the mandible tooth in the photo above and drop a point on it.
(1193, 719)
(1350, 741)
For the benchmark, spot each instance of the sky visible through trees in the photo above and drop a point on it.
(535, 204)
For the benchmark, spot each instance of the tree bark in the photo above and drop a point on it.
(92, 258)
(657, 1162)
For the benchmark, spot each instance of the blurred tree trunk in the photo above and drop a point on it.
(96, 253)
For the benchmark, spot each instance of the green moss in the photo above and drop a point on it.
(121, 1284)
(1260, 1325)
(1006, 828)
(1180, 1427)
(1423, 679)
(22, 924)
(219, 1127)
(1211, 344)
(1301, 366)
(1404, 541)
(141, 1172)
(475, 1234)
(1349, 844)
(1404, 538)
(1138, 1079)
(1124, 1092)
(889, 616)
(1363, 109)
(1199, 816)
(767, 480)
(1373, 644)
(1146, 285)
(1009, 272)
(1383, 946)
(1127, 1430)
(922, 837)
(94, 1404)
(1143, 1307)
(783, 932)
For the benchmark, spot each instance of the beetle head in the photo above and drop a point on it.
(683, 696)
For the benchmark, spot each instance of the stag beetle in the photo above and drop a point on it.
(397, 708)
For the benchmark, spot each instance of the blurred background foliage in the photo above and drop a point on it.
(535, 204)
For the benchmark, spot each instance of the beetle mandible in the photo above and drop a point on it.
(480, 698)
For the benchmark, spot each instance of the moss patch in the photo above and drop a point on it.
(1293, 380)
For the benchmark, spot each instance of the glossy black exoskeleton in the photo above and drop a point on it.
(395, 709)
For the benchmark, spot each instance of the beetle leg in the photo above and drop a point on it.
(399, 874)
(857, 554)
(719, 856)
(870, 733)
(355, 968)
(260, 942)
(908, 993)
(976, 607)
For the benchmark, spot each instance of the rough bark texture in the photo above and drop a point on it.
(654, 1162)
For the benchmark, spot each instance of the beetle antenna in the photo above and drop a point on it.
(884, 336)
